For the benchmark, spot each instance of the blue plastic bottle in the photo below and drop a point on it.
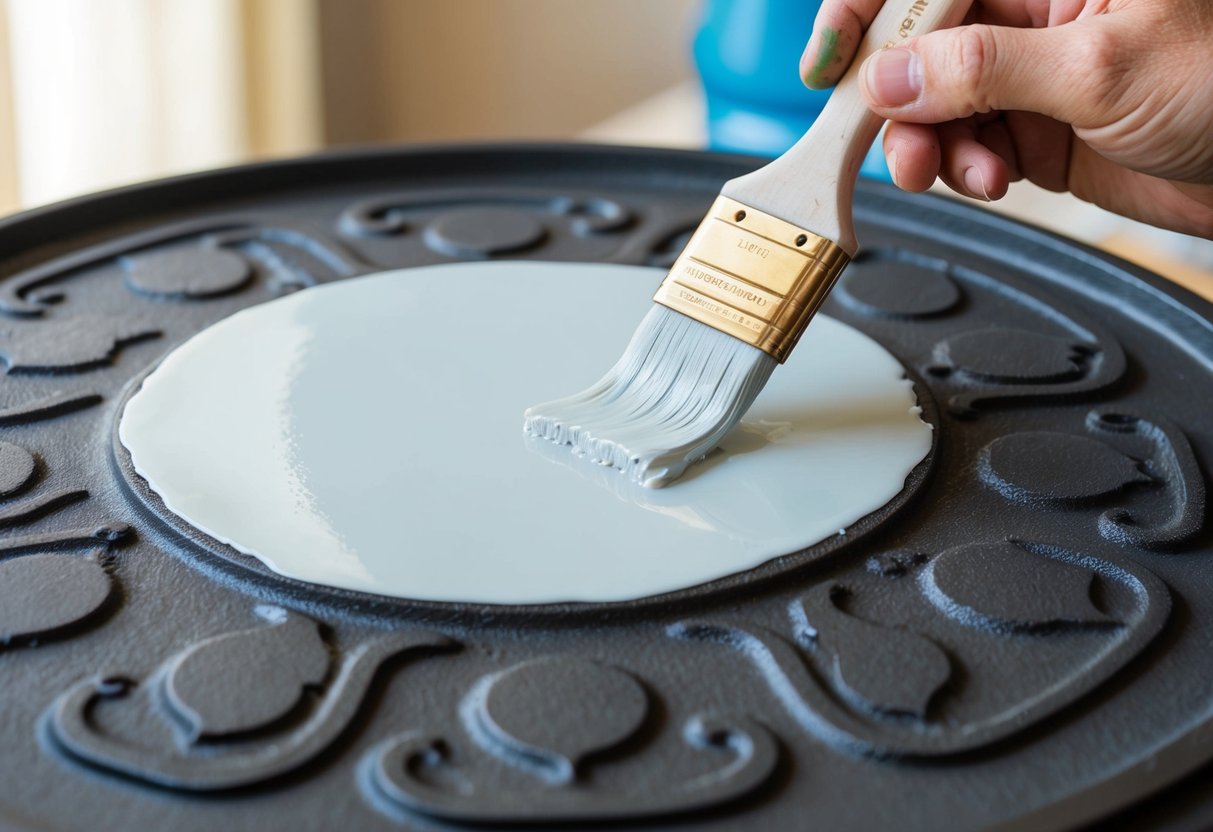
(748, 55)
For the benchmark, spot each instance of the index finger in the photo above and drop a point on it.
(840, 25)
(837, 31)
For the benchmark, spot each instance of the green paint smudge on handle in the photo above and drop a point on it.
(827, 52)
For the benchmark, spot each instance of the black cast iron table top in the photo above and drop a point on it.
(1022, 639)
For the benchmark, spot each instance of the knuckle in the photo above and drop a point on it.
(849, 16)
(1097, 58)
(842, 16)
(972, 62)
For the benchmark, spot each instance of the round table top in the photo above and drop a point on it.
(1019, 639)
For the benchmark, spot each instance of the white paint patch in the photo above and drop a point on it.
(368, 435)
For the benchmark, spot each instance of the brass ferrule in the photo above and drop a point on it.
(752, 276)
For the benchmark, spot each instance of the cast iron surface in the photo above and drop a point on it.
(1021, 640)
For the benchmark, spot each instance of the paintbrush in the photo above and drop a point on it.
(742, 292)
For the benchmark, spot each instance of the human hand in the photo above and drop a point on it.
(1111, 100)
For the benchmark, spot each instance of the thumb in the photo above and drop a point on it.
(954, 73)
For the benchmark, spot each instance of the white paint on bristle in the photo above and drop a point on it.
(681, 385)
(678, 388)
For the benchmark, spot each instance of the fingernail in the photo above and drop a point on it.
(975, 183)
(818, 63)
(891, 160)
(893, 76)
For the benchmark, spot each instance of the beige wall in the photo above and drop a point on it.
(283, 107)
(427, 70)
(97, 93)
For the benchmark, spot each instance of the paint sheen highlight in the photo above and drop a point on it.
(366, 435)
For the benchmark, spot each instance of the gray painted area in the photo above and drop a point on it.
(374, 426)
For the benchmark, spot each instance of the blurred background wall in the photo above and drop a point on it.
(437, 69)
(97, 93)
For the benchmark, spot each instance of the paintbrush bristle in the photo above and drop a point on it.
(677, 390)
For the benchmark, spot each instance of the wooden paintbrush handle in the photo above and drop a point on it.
(812, 184)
